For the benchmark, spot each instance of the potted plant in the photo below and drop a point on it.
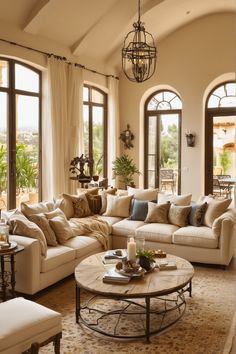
(146, 258)
(124, 167)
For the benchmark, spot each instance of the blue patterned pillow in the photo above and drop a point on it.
(139, 209)
(196, 214)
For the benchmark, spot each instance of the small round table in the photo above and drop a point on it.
(7, 273)
(156, 300)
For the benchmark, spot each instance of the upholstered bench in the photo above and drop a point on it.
(25, 326)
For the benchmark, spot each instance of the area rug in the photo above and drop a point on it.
(203, 329)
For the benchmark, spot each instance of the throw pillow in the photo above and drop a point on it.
(139, 210)
(184, 199)
(104, 194)
(20, 225)
(61, 227)
(80, 205)
(42, 207)
(42, 221)
(158, 213)
(196, 214)
(95, 202)
(178, 215)
(52, 214)
(93, 191)
(215, 208)
(118, 206)
(66, 206)
(143, 194)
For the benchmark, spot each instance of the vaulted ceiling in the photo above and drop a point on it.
(96, 28)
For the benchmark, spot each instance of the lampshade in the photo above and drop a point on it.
(139, 53)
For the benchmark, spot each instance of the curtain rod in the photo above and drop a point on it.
(58, 57)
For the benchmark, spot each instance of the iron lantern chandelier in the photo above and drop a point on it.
(139, 53)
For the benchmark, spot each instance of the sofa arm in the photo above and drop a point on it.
(27, 264)
(227, 240)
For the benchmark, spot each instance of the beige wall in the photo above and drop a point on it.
(190, 62)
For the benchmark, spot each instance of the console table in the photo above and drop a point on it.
(7, 272)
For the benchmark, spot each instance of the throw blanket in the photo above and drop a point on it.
(92, 226)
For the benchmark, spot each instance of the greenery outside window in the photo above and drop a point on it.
(20, 126)
(95, 128)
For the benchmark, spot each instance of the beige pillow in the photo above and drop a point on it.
(66, 206)
(215, 208)
(42, 207)
(118, 206)
(93, 191)
(143, 194)
(61, 227)
(184, 199)
(52, 214)
(178, 215)
(20, 225)
(80, 205)
(43, 223)
(158, 213)
(103, 195)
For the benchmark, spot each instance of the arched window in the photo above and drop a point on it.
(20, 127)
(220, 137)
(162, 141)
(95, 128)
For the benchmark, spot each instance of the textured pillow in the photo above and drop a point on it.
(118, 206)
(95, 202)
(104, 194)
(42, 221)
(42, 207)
(66, 206)
(178, 215)
(20, 225)
(215, 208)
(61, 227)
(80, 205)
(196, 214)
(158, 213)
(52, 214)
(184, 199)
(139, 210)
(143, 194)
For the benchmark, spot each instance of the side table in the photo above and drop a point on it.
(7, 272)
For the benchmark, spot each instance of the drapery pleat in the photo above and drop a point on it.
(113, 126)
(63, 131)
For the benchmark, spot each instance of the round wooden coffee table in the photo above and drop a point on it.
(138, 309)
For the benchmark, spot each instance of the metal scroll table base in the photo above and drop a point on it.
(133, 317)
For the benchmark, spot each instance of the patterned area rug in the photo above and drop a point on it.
(203, 329)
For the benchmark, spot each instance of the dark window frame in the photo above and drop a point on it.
(90, 105)
(11, 128)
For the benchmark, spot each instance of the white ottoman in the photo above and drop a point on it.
(26, 326)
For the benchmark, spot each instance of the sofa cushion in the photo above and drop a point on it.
(42, 207)
(215, 208)
(143, 194)
(184, 199)
(139, 210)
(118, 206)
(57, 256)
(20, 225)
(104, 194)
(157, 213)
(202, 236)
(126, 227)
(178, 215)
(80, 205)
(95, 202)
(157, 232)
(61, 227)
(43, 223)
(84, 245)
(196, 215)
(110, 219)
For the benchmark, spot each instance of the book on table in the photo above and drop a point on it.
(114, 255)
(166, 265)
(112, 276)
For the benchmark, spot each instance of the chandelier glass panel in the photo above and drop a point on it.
(139, 53)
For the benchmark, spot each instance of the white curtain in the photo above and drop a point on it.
(64, 129)
(113, 125)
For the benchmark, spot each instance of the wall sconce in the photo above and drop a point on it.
(190, 137)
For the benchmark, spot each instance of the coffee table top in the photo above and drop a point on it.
(89, 274)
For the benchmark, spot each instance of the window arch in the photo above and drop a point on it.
(162, 141)
(20, 133)
(220, 134)
(95, 128)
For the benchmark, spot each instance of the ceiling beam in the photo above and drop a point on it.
(33, 20)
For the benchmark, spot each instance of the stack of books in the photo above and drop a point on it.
(112, 276)
(166, 265)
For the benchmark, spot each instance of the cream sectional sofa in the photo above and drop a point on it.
(210, 245)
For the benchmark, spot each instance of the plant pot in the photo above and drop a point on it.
(145, 263)
(95, 178)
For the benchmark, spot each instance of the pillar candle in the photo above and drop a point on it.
(131, 250)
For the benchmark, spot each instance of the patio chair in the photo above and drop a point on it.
(167, 179)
